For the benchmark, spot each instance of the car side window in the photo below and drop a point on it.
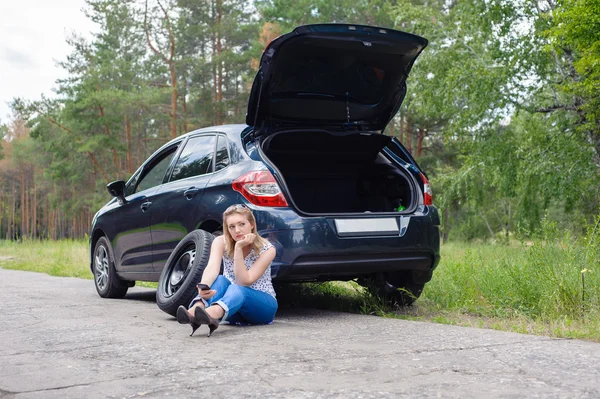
(222, 155)
(196, 158)
(155, 175)
(131, 186)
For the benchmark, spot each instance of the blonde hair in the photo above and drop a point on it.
(243, 210)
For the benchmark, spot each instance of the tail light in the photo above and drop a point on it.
(427, 194)
(260, 188)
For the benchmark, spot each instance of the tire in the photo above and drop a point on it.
(397, 288)
(107, 283)
(183, 270)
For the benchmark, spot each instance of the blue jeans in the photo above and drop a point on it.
(241, 304)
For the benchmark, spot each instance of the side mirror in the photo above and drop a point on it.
(117, 189)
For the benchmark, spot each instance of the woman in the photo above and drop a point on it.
(244, 293)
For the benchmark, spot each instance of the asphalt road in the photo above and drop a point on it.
(58, 339)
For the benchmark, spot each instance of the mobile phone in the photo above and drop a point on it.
(203, 287)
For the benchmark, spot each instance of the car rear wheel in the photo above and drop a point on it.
(183, 270)
(107, 283)
(397, 288)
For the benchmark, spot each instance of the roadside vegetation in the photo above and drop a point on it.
(547, 285)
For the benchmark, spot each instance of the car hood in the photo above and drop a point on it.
(342, 76)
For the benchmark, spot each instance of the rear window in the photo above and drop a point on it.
(196, 158)
(333, 68)
(350, 78)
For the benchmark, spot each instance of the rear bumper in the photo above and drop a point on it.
(324, 267)
(309, 249)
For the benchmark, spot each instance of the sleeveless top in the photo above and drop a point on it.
(263, 283)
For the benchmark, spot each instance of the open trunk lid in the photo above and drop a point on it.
(333, 76)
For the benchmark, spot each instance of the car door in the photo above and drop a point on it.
(175, 202)
(133, 244)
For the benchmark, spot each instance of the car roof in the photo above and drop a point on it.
(232, 131)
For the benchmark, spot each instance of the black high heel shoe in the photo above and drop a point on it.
(201, 317)
(183, 317)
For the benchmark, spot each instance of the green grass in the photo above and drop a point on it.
(64, 258)
(547, 286)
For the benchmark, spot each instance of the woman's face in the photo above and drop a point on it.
(238, 226)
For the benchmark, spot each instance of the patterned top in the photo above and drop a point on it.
(263, 283)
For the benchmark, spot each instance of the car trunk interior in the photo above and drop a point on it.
(334, 173)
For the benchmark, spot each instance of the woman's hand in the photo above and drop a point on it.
(247, 240)
(206, 294)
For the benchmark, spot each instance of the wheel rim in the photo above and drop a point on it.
(180, 269)
(101, 267)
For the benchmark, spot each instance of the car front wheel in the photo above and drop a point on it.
(107, 283)
(183, 270)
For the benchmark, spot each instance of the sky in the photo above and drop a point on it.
(32, 38)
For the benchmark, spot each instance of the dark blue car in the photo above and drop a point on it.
(338, 198)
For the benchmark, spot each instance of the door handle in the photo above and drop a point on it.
(190, 192)
(144, 207)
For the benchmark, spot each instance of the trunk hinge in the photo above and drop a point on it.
(260, 72)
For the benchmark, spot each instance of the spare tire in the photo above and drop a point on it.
(183, 270)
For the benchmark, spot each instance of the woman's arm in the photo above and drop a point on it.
(214, 261)
(248, 277)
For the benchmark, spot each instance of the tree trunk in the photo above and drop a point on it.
(13, 220)
(408, 144)
(173, 113)
(446, 230)
(401, 130)
(487, 225)
(391, 131)
(420, 136)
(128, 141)
(507, 224)
(184, 102)
(34, 231)
(27, 210)
(22, 203)
(141, 131)
(97, 166)
(170, 61)
(2, 207)
(107, 131)
(52, 219)
(219, 64)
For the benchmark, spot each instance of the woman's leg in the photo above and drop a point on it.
(242, 303)
(220, 285)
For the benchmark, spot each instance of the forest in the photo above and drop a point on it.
(502, 110)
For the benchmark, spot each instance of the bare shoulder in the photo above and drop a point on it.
(268, 250)
(219, 243)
